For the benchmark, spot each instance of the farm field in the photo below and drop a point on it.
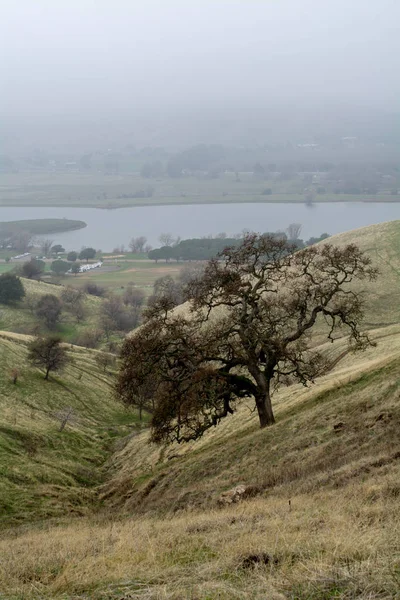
(116, 191)
(116, 274)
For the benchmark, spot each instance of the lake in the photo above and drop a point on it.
(108, 229)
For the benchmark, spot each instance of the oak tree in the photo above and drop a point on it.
(87, 253)
(246, 330)
(47, 353)
(48, 308)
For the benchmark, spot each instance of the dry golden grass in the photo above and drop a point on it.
(382, 243)
(337, 538)
(326, 479)
(178, 475)
(326, 544)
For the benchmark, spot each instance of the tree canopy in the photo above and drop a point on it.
(11, 289)
(33, 268)
(60, 267)
(246, 332)
(72, 256)
(49, 309)
(47, 353)
(87, 253)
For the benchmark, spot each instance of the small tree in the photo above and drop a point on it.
(90, 338)
(72, 256)
(46, 247)
(166, 239)
(14, 376)
(138, 244)
(155, 254)
(48, 354)
(73, 301)
(70, 295)
(49, 309)
(11, 289)
(64, 416)
(87, 253)
(94, 290)
(134, 297)
(57, 249)
(167, 289)
(252, 312)
(60, 267)
(33, 268)
(293, 231)
(75, 268)
(113, 310)
(105, 361)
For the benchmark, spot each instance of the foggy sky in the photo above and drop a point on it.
(112, 60)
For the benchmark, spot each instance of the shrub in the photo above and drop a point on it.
(49, 310)
(11, 289)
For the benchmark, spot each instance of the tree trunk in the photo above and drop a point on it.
(264, 405)
(47, 374)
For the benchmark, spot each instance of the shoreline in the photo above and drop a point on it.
(328, 200)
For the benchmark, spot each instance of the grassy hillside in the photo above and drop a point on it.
(382, 243)
(21, 319)
(44, 471)
(304, 441)
(321, 519)
(323, 522)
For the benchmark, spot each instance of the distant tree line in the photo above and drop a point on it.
(207, 248)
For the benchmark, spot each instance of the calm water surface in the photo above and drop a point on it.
(107, 229)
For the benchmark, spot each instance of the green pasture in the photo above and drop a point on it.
(115, 276)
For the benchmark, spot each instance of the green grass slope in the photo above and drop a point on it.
(20, 319)
(44, 471)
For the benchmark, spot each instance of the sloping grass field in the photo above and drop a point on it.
(321, 515)
(46, 472)
(21, 319)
